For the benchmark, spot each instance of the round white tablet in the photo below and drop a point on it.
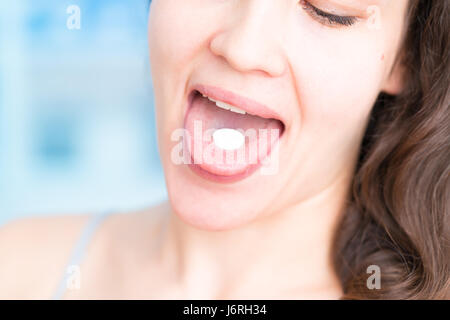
(228, 139)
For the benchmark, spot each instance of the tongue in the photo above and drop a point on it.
(204, 117)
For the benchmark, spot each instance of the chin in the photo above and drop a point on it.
(212, 207)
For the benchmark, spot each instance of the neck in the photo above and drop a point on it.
(287, 252)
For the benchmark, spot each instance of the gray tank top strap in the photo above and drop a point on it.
(79, 250)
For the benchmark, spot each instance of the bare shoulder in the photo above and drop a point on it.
(33, 253)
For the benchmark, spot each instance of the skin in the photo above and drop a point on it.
(247, 239)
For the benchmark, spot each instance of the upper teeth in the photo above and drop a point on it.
(226, 106)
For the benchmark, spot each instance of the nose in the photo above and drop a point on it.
(251, 42)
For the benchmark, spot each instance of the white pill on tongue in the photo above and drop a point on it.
(228, 139)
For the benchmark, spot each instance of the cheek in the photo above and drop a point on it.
(171, 42)
(176, 32)
(338, 80)
(166, 33)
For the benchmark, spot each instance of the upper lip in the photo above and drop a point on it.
(248, 105)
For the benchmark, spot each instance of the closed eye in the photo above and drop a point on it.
(327, 18)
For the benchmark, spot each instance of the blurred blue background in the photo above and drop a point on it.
(77, 130)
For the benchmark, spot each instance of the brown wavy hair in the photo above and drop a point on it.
(398, 215)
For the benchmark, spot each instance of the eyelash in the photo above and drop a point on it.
(327, 18)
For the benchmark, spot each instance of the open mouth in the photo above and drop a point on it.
(211, 109)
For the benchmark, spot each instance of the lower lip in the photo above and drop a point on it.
(197, 169)
(222, 179)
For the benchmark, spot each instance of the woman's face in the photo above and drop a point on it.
(313, 77)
